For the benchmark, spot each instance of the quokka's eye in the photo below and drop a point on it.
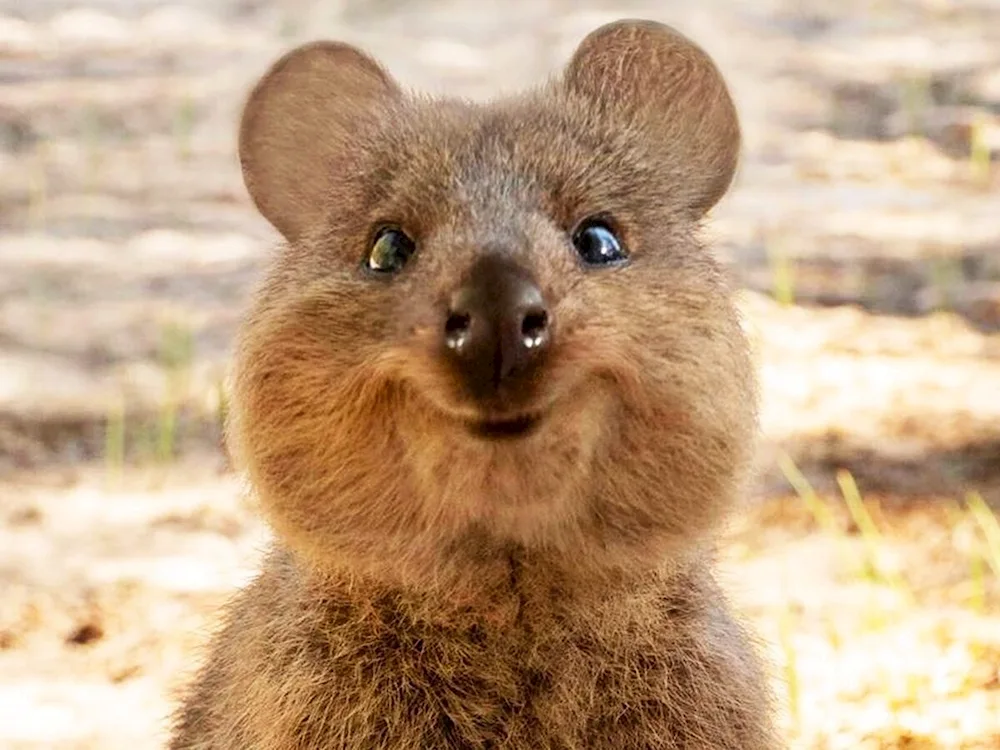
(597, 243)
(390, 251)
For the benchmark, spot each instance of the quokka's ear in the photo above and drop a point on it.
(299, 124)
(657, 81)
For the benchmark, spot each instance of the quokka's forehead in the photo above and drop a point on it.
(518, 151)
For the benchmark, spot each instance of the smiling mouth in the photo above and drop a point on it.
(507, 428)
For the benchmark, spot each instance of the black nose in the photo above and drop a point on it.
(498, 327)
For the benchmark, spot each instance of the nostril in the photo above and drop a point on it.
(534, 328)
(456, 329)
(457, 322)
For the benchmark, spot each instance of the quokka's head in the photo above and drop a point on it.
(493, 325)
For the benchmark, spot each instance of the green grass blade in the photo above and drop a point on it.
(990, 527)
(820, 511)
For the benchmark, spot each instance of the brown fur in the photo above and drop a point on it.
(433, 590)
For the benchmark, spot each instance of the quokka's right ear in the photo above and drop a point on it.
(299, 124)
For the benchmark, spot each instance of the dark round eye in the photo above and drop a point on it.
(597, 244)
(390, 251)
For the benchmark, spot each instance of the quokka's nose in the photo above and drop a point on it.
(498, 326)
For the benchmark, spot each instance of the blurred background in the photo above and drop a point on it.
(863, 231)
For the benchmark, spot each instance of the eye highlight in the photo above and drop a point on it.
(390, 251)
(597, 243)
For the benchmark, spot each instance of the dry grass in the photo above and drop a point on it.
(907, 659)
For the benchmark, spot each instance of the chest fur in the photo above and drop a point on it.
(394, 685)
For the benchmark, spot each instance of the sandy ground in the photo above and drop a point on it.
(128, 246)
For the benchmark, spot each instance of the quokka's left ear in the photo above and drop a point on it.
(659, 83)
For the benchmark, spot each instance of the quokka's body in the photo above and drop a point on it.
(494, 399)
